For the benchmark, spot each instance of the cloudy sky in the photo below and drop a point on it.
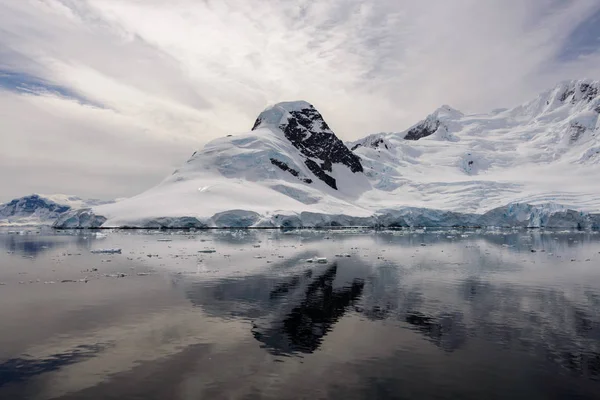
(104, 98)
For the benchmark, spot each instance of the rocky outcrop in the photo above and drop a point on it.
(423, 129)
(305, 128)
(373, 142)
(284, 167)
(441, 119)
(580, 91)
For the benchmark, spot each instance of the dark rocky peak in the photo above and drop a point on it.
(440, 117)
(306, 129)
(422, 129)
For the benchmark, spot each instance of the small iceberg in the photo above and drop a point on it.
(106, 251)
(318, 260)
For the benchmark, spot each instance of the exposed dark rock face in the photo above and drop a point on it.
(320, 173)
(589, 91)
(422, 130)
(375, 144)
(380, 142)
(311, 135)
(567, 94)
(257, 123)
(576, 131)
(284, 167)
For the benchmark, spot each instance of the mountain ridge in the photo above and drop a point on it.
(41, 209)
(291, 168)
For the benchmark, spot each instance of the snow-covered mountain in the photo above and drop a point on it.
(39, 209)
(544, 151)
(533, 165)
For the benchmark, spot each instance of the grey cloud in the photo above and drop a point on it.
(51, 145)
(79, 35)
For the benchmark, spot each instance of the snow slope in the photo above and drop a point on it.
(533, 165)
(40, 209)
(545, 151)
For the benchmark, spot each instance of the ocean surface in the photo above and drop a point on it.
(343, 314)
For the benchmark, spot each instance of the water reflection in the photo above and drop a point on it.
(22, 369)
(446, 331)
(27, 247)
(294, 314)
(304, 327)
(540, 321)
(35, 243)
(447, 314)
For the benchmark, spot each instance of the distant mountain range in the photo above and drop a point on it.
(533, 165)
(39, 209)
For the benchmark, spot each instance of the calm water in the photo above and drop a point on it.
(465, 315)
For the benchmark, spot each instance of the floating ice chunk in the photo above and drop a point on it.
(106, 251)
(117, 275)
(319, 260)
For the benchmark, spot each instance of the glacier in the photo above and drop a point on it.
(531, 166)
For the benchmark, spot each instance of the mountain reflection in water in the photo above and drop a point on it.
(390, 315)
